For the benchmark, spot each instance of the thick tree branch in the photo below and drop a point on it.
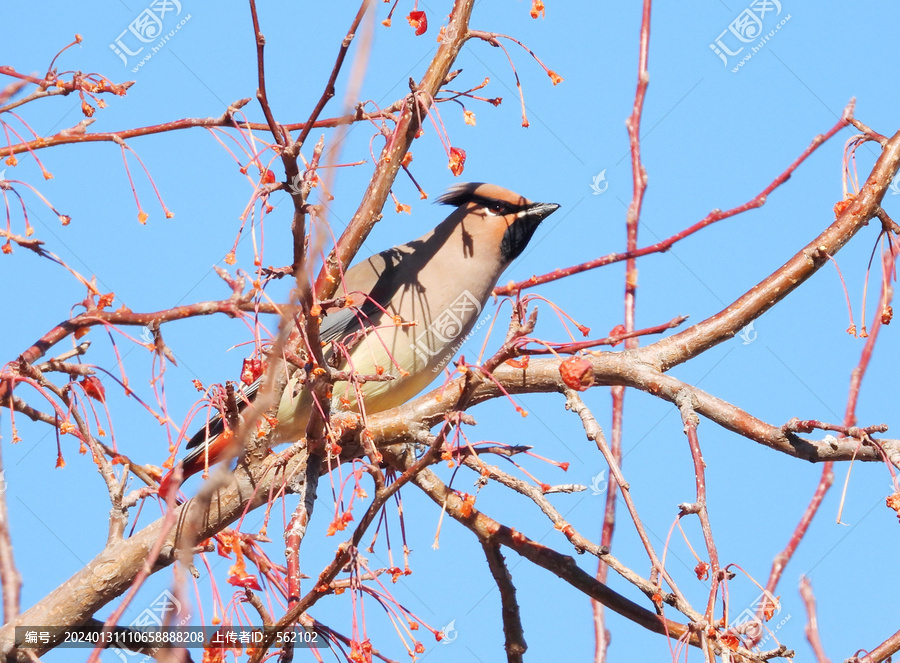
(112, 572)
(369, 212)
(698, 338)
(624, 368)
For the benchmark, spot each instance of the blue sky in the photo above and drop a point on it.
(711, 138)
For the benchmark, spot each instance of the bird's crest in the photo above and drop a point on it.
(482, 194)
(459, 194)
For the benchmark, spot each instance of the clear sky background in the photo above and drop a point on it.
(711, 138)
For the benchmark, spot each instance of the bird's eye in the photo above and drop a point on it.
(496, 208)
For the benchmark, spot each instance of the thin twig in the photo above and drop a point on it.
(10, 578)
(812, 622)
(715, 215)
(329, 86)
(512, 621)
(561, 565)
(281, 137)
(388, 165)
(691, 421)
(594, 432)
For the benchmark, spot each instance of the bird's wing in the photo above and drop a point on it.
(358, 281)
(339, 324)
(215, 426)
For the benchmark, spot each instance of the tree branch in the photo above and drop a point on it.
(512, 621)
(679, 348)
(369, 212)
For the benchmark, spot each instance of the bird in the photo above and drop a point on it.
(409, 309)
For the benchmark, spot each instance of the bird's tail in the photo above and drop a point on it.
(199, 458)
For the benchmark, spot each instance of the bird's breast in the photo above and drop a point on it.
(412, 340)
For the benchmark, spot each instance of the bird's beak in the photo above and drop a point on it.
(519, 233)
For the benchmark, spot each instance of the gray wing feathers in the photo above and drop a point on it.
(335, 326)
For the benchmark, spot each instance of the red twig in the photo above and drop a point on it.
(277, 132)
(812, 623)
(232, 307)
(827, 478)
(329, 87)
(632, 219)
(781, 559)
(614, 339)
(226, 120)
(892, 644)
(684, 401)
(10, 578)
(712, 217)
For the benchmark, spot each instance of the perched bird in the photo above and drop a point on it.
(410, 308)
